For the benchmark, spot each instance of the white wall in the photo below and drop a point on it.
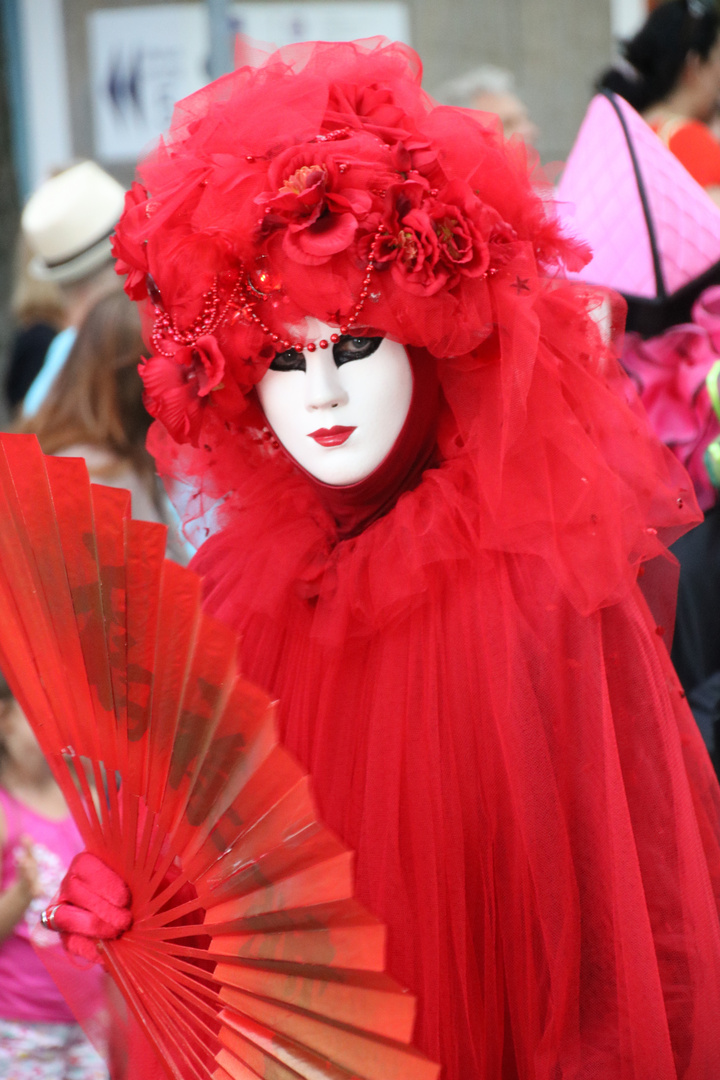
(627, 16)
(45, 88)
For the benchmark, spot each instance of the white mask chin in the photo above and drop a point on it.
(338, 411)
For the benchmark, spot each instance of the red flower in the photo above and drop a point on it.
(177, 387)
(302, 197)
(207, 363)
(432, 239)
(129, 245)
(463, 225)
(319, 212)
(409, 244)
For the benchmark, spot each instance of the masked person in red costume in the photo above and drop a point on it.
(426, 508)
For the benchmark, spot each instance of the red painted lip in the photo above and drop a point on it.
(334, 436)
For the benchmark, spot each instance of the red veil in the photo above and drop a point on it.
(475, 681)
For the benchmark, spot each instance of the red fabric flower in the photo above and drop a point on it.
(408, 243)
(318, 209)
(206, 362)
(177, 387)
(431, 239)
(129, 245)
(458, 220)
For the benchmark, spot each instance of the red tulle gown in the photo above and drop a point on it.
(490, 717)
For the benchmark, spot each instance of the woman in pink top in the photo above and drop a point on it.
(39, 1037)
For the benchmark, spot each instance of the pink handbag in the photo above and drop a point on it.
(654, 232)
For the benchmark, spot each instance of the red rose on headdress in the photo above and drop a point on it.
(312, 201)
(129, 244)
(473, 237)
(177, 387)
(409, 244)
(431, 239)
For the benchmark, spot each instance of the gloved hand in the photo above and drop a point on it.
(93, 905)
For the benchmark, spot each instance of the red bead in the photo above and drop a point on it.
(274, 337)
(323, 344)
(334, 338)
(249, 157)
(297, 346)
(311, 346)
(343, 329)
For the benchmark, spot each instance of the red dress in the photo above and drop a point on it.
(491, 720)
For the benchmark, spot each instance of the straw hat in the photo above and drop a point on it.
(68, 222)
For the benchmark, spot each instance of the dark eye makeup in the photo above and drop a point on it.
(290, 360)
(347, 348)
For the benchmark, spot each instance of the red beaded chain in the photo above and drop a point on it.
(241, 302)
(212, 316)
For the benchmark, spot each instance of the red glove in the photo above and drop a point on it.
(93, 905)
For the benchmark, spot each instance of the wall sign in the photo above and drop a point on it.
(144, 59)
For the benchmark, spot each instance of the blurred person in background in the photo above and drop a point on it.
(491, 89)
(38, 312)
(39, 1036)
(94, 410)
(67, 224)
(670, 73)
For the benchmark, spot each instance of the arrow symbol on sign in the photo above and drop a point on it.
(124, 84)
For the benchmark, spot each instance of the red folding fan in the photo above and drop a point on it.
(170, 763)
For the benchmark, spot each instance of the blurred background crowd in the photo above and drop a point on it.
(86, 85)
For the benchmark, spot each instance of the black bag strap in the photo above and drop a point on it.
(642, 191)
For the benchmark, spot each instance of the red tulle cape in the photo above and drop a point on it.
(533, 811)
(491, 719)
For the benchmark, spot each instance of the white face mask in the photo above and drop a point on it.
(338, 411)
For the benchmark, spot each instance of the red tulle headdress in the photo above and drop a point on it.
(323, 182)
